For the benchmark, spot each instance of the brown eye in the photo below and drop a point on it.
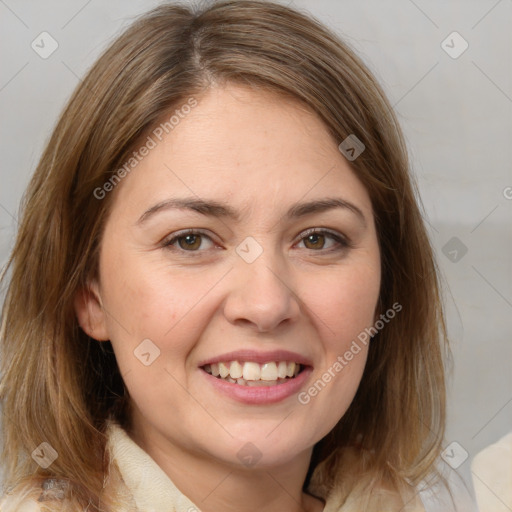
(314, 241)
(189, 242)
(323, 241)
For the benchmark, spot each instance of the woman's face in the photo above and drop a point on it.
(249, 291)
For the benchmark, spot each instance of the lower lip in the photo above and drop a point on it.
(260, 394)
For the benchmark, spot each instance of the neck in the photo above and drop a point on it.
(216, 485)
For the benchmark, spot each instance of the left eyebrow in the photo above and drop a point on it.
(322, 205)
(213, 208)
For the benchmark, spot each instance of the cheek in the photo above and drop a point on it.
(162, 307)
(345, 310)
(139, 300)
(163, 304)
(344, 302)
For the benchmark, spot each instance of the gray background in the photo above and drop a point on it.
(457, 118)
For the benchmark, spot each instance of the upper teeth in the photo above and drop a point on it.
(249, 370)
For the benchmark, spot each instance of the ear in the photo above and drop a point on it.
(90, 313)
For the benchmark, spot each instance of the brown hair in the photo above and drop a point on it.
(60, 386)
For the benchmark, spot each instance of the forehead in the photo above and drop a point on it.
(253, 148)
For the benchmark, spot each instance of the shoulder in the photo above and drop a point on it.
(492, 473)
(496, 456)
(348, 483)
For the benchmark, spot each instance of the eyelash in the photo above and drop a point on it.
(342, 241)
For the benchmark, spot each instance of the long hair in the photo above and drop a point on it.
(60, 386)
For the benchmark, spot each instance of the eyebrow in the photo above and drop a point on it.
(214, 208)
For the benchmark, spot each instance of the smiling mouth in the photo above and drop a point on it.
(249, 373)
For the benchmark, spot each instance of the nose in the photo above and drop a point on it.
(261, 296)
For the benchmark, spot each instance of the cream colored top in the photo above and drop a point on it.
(152, 490)
(492, 476)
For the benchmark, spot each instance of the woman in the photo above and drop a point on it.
(222, 294)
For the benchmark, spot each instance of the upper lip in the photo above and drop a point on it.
(259, 357)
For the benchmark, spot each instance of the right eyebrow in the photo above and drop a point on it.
(209, 208)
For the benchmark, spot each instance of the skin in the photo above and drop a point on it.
(260, 154)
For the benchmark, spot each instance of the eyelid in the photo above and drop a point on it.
(342, 239)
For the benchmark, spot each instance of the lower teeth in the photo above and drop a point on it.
(255, 383)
